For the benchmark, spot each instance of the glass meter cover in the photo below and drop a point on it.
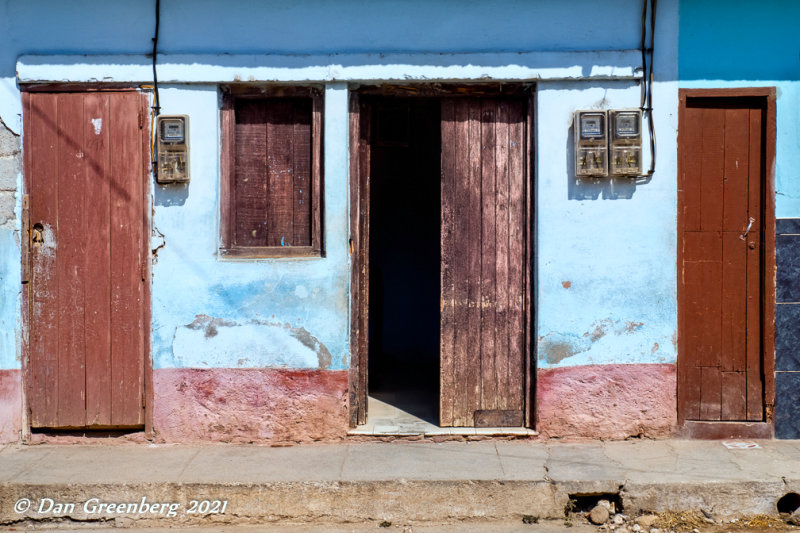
(592, 125)
(626, 124)
(173, 130)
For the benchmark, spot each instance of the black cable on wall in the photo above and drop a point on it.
(647, 77)
(156, 108)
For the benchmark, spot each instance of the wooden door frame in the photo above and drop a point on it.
(27, 378)
(721, 429)
(358, 136)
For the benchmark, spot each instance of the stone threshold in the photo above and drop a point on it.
(376, 430)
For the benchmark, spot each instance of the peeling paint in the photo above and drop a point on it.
(211, 341)
(630, 327)
(555, 347)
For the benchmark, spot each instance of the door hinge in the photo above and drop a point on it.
(141, 120)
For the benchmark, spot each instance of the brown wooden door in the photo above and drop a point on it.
(483, 257)
(721, 218)
(85, 160)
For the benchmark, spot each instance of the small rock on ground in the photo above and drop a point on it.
(598, 515)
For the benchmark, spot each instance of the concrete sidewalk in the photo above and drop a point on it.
(403, 481)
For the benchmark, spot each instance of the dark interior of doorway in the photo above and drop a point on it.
(404, 258)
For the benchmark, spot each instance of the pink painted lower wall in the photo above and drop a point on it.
(249, 405)
(10, 405)
(607, 401)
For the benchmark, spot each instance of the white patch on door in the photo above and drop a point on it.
(98, 125)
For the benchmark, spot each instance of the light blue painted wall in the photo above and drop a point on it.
(9, 299)
(278, 312)
(606, 250)
(618, 255)
(747, 44)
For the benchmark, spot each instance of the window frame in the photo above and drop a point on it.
(230, 94)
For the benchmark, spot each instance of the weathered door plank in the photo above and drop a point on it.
(483, 257)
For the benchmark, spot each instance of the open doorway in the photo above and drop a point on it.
(441, 259)
(404, 255)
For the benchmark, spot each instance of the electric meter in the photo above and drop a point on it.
(591, 145)
(172, 132)
(625, 132)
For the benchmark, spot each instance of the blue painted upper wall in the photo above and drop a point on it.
(739, 40)
(314, 26)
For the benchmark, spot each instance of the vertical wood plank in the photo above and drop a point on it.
(516, 253)
(529, 393)
(126, 262)
(736, 164)
(42, 173)
(97, 232)
(712, 164)
(365, 165)
(691, 173)
(357, 357)
(734, 397)
(691, 392)
(734, 302)
(301, 174)
(145, 221)
(503, 326)
(447, 331)
(755, 238)
(227, 168)
(71, 256)
(316, 172)
(250, 174)
(488, 378)
(473, 369)
(682, 222)
(711, 393)
(461, 269)
(280, 133)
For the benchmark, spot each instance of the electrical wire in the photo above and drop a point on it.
(647, 78)
(156, 108)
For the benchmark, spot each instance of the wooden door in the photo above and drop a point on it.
(483, 262)
(722, 217)
(85, 168)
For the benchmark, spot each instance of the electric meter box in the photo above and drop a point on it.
(172, 146)
(591, 144)
(625, 136)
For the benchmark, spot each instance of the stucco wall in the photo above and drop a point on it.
(605, 259)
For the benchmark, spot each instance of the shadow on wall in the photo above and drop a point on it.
(594, 188)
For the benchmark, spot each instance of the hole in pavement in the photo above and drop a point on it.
(583, 503)
(789, 503)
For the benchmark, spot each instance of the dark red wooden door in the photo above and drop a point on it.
(483, 257)
(85, 157)
(720, 198)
